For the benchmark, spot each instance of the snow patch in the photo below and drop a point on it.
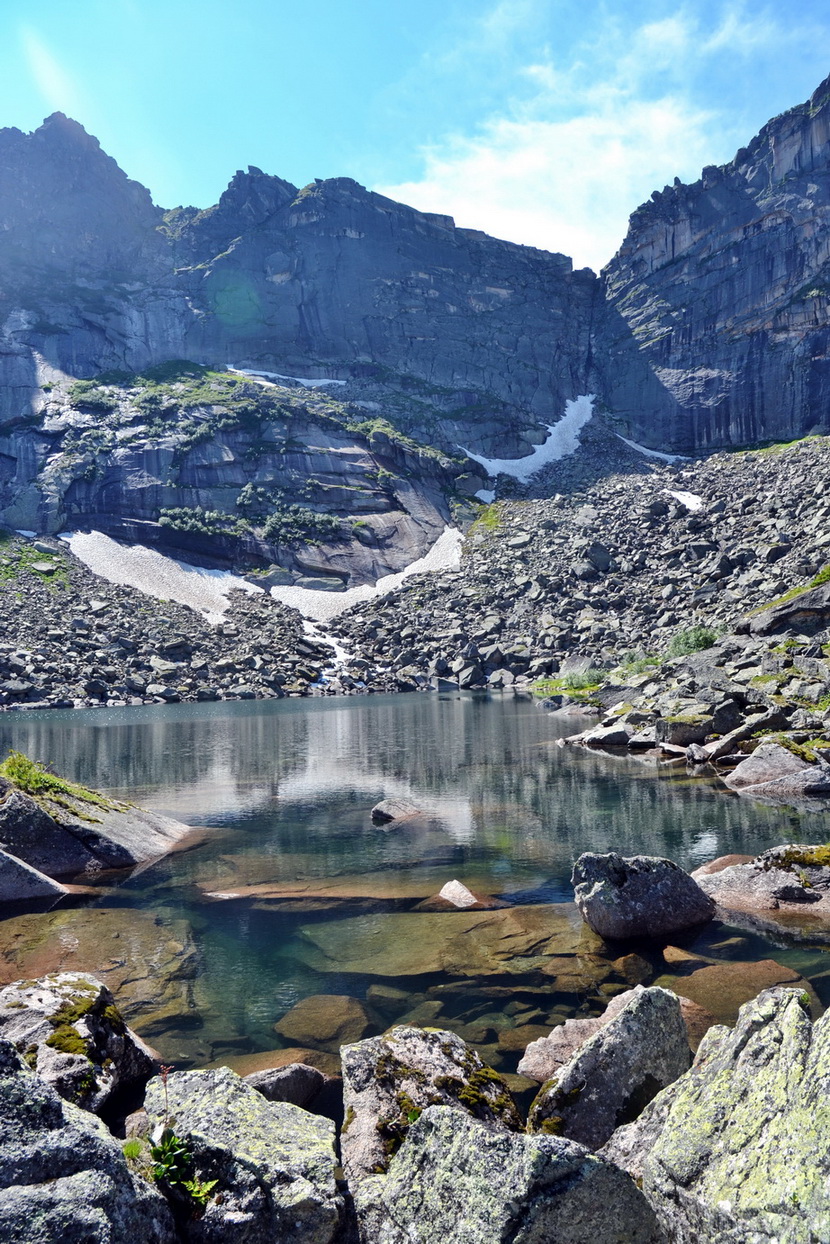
(690, 499)
(486, 494)
(29, 534)
(309, 383)
(445, 554)
(650, 453)
(562, 440)
(156, 575)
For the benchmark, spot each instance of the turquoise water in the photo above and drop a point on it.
(318, 901)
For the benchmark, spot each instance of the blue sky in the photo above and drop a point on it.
(543, 121)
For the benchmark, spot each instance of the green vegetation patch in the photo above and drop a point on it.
(693, 639)
(818, 580)
(578, 684)
(19, 560)
(33, 778)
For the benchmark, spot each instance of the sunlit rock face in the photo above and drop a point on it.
(717, 324)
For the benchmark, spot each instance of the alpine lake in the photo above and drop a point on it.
(293, 909)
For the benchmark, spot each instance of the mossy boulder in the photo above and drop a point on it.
(388, 1081)
(612, 1077)
(70, 1031)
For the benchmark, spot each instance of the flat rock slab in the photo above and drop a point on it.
(773, 773)
(780, 892)
(457, 1180)
(511, 941)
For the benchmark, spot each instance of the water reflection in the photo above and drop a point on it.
(288, 787)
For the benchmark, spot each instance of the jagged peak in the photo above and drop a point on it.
(66, 129)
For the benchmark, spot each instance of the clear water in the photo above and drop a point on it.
(323, 900)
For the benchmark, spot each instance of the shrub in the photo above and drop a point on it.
(694, 639)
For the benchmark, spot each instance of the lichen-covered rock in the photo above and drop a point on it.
(616, 1073)
(273, 1162)
(456, 1179)
(642, 896)
(63, 1178)
(773, 772)
(742, 1155)
(389, 1080)
(70, 1031)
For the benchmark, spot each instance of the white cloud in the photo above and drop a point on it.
(59, 91)
(587, 135)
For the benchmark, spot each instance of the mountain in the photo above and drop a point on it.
(118, 320)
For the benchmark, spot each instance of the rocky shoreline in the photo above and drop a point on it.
(418, 1137)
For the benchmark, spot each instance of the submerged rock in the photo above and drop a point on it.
(394, 810)
(70, 1031)
(616, 1072)
(643, 896)
(274, 1164)
(389, 1080)
(738, 1149)
(62, 1175)
(455, 1179)
(325, 1021)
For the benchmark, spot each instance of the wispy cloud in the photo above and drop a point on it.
(59, 90)
(586, 134)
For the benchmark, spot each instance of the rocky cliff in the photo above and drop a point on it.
(717, 302)
(709, 328)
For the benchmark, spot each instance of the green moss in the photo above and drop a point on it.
(693, 639)
(802, 857)
(554, 1126)
(821, 578)
(68, 1040)
(688, 719)
(348, 1120)
(33, 778)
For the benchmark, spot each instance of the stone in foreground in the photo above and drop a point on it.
(455, 1179)
(297, 1083)
(389, 1080)
(614, 1075)
(274, 1163)
(642, 896)
(74, 1037)
(63, 1178)
(738, 1149)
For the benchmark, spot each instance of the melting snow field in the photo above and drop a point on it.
(275, 375)
(690, 499)
(563, 440)
(445, 554)
(156, 575)
(650, 453)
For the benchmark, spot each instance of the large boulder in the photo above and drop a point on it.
(773, 772)
(389, 1080)
(273, 1162)
(544, 1057)
(64, 837)
(642, 896)
(738, 1150)
(70, 1031)
(62, 1176)
(456, 1179)
(804, 614)
(616, 1073)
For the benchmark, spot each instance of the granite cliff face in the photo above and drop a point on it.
(716, 330)
(709, 328)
